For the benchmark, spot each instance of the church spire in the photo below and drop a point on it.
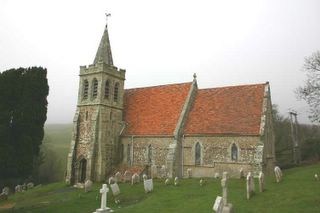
(104, 51)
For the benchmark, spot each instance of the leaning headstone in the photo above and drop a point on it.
(167, 182)
(104, 209)
(144, 177)
(127, 176)
(135, 178)
(163, 171)
(216, 175)
(30, 185)
(316, 177)
(18, 188)
(117, 177)
(250, 185)
(148, 185)
(111, 180)
(115, 189)
(154, 171)
(6, 190)
(88, 186)
(218, 205)
(278, 174)
(261, 182)
(189, 173)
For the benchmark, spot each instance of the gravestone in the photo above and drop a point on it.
(250, 185)
(115, 189)
(167, 182)
(218, 205)
(104, 209)
(6, 190)
(30, 185)
(148, 185)
(278, 174)
(135, 178)
(154, 171)
(201, 182)
(189, 173)
(261, 182)
(117, 177)
(127, 176)
(163, 171)
(216, 175)
(18, 188)
(111, 180)
(144, 177)
(316, 177)
(88, 186)
(226, 207)
(176, 181)
(241, 173)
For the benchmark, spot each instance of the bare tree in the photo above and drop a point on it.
(310, 91)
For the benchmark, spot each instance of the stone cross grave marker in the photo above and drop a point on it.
(148, 185)
(104, 209)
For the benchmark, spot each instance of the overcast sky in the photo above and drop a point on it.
(160, 42)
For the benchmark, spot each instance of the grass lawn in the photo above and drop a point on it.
(298, 192)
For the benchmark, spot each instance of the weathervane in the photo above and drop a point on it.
(107, 15)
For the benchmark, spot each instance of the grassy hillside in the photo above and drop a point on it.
(55, 148)
(298, 192)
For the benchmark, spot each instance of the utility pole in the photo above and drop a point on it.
(294, 136)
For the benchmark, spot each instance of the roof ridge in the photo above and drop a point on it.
(163, 85)
(242, 85)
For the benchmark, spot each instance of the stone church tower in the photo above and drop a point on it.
(98, 120)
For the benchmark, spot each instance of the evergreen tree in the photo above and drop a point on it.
(23, 111)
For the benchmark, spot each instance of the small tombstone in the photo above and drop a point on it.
(216, 175)
(176, 181)
(18, 188)
(111, 180)
(201, 182)
(261, 182)
(115, 189)
(117, 177)
(135, 178)
(6, 190)
(167, 182)
(104, 191)
(144, 177)
(189, 173)
(316, 177)
(278, 174)
(241, 173)
(88, 186)
(154, 171)
(24, 187)
(127, 176)
(218, 205)
(250, 185)
(163, 171)
(30, 185)
(148, 185)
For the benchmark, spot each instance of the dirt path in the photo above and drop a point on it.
(7, 206)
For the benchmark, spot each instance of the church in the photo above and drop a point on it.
(178, 127)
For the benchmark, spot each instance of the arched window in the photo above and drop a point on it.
(85, 89)
(149, 154)
(234, 152)
(107, 90)
(198, 154)
(95, 88)
(116, 92)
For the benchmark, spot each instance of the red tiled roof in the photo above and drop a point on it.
(154, 110)
(227, 110)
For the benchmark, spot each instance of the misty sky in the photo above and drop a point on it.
(160, 42)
